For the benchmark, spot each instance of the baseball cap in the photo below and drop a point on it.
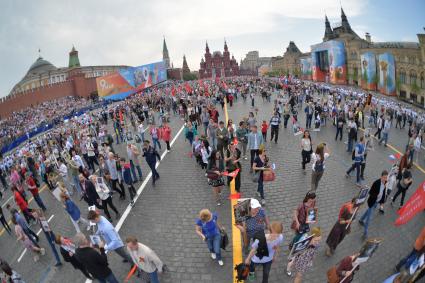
(255, 203)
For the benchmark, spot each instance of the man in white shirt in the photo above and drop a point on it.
(145, 258)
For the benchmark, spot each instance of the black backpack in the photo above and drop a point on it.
(242, 271)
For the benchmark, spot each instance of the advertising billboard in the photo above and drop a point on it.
(386, 67)
(368, 67)
(119, 85)
(113, 86)
(306, 72)
(145, 76)
(328, 62)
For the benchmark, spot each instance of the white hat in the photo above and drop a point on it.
(255, 203)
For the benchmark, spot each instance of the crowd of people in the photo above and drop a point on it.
(23, 122)
(79, 160)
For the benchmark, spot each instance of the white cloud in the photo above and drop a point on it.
(130, 32)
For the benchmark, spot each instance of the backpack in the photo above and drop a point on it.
(242, 271)
(318, 167)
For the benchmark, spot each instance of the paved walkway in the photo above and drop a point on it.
(163, 217)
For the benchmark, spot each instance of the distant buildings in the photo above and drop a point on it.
(44, 81)
(343, 57)
(218, 65)
(253, 62)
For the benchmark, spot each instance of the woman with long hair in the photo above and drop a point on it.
(318, 167)
(260, 165)
(306, 149)
(214, 171)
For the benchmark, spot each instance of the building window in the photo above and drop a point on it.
(413, 97)
(412, 77)
(422, 81)
(403, 77)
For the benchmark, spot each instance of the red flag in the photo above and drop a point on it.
(188, 88)
(231, 174)
(235, 196)
(132, 271)
(415, 204)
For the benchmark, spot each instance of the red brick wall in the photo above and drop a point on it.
(78, 86)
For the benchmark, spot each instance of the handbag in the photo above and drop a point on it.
(224, 239)
(332, 275)
(256, 176)
(269, 176)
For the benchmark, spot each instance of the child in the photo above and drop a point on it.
(264, 128)
(126, 173)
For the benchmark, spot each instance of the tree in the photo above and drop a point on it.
(365, 78)
(398, 84)
(190, 77)
(94, 95)
(414, 88)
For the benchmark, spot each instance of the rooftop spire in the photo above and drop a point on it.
(328, 29)
(74, 61)
(165, 55)
(344, 21)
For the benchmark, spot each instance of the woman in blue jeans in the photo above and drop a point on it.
(208, 229)
(260, 165)
(272, 241)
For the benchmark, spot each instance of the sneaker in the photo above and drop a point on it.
(42, 251)
(347, 175)
(251, 276)
(361, 222)
(132, 203)
(220, 262)
(36, 258)
(213, 256)
(381, 211)
(258, 194)
(289, 273)
(245, 158)
(263, 202)
(218, 203)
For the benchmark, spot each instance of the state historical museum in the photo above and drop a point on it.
(218, 65)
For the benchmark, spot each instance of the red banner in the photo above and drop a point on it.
(415, 204)
(231, 174)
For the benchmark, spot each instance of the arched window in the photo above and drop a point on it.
(402, 76)
(412, 77)
(422, 80)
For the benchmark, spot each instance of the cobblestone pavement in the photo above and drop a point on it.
(163, 217)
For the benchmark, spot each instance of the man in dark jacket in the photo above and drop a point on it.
(377, 194)
(89, 192)
(151, 156)
(95, 261)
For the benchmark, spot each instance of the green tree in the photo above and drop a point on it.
(189, 77)
(414, 88)
(398, 84)
(365, 78)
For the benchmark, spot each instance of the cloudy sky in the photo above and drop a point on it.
(130, 32)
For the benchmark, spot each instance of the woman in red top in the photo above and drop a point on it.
(22, 204)
(32, 187)
(264, 128)
(166, 134)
